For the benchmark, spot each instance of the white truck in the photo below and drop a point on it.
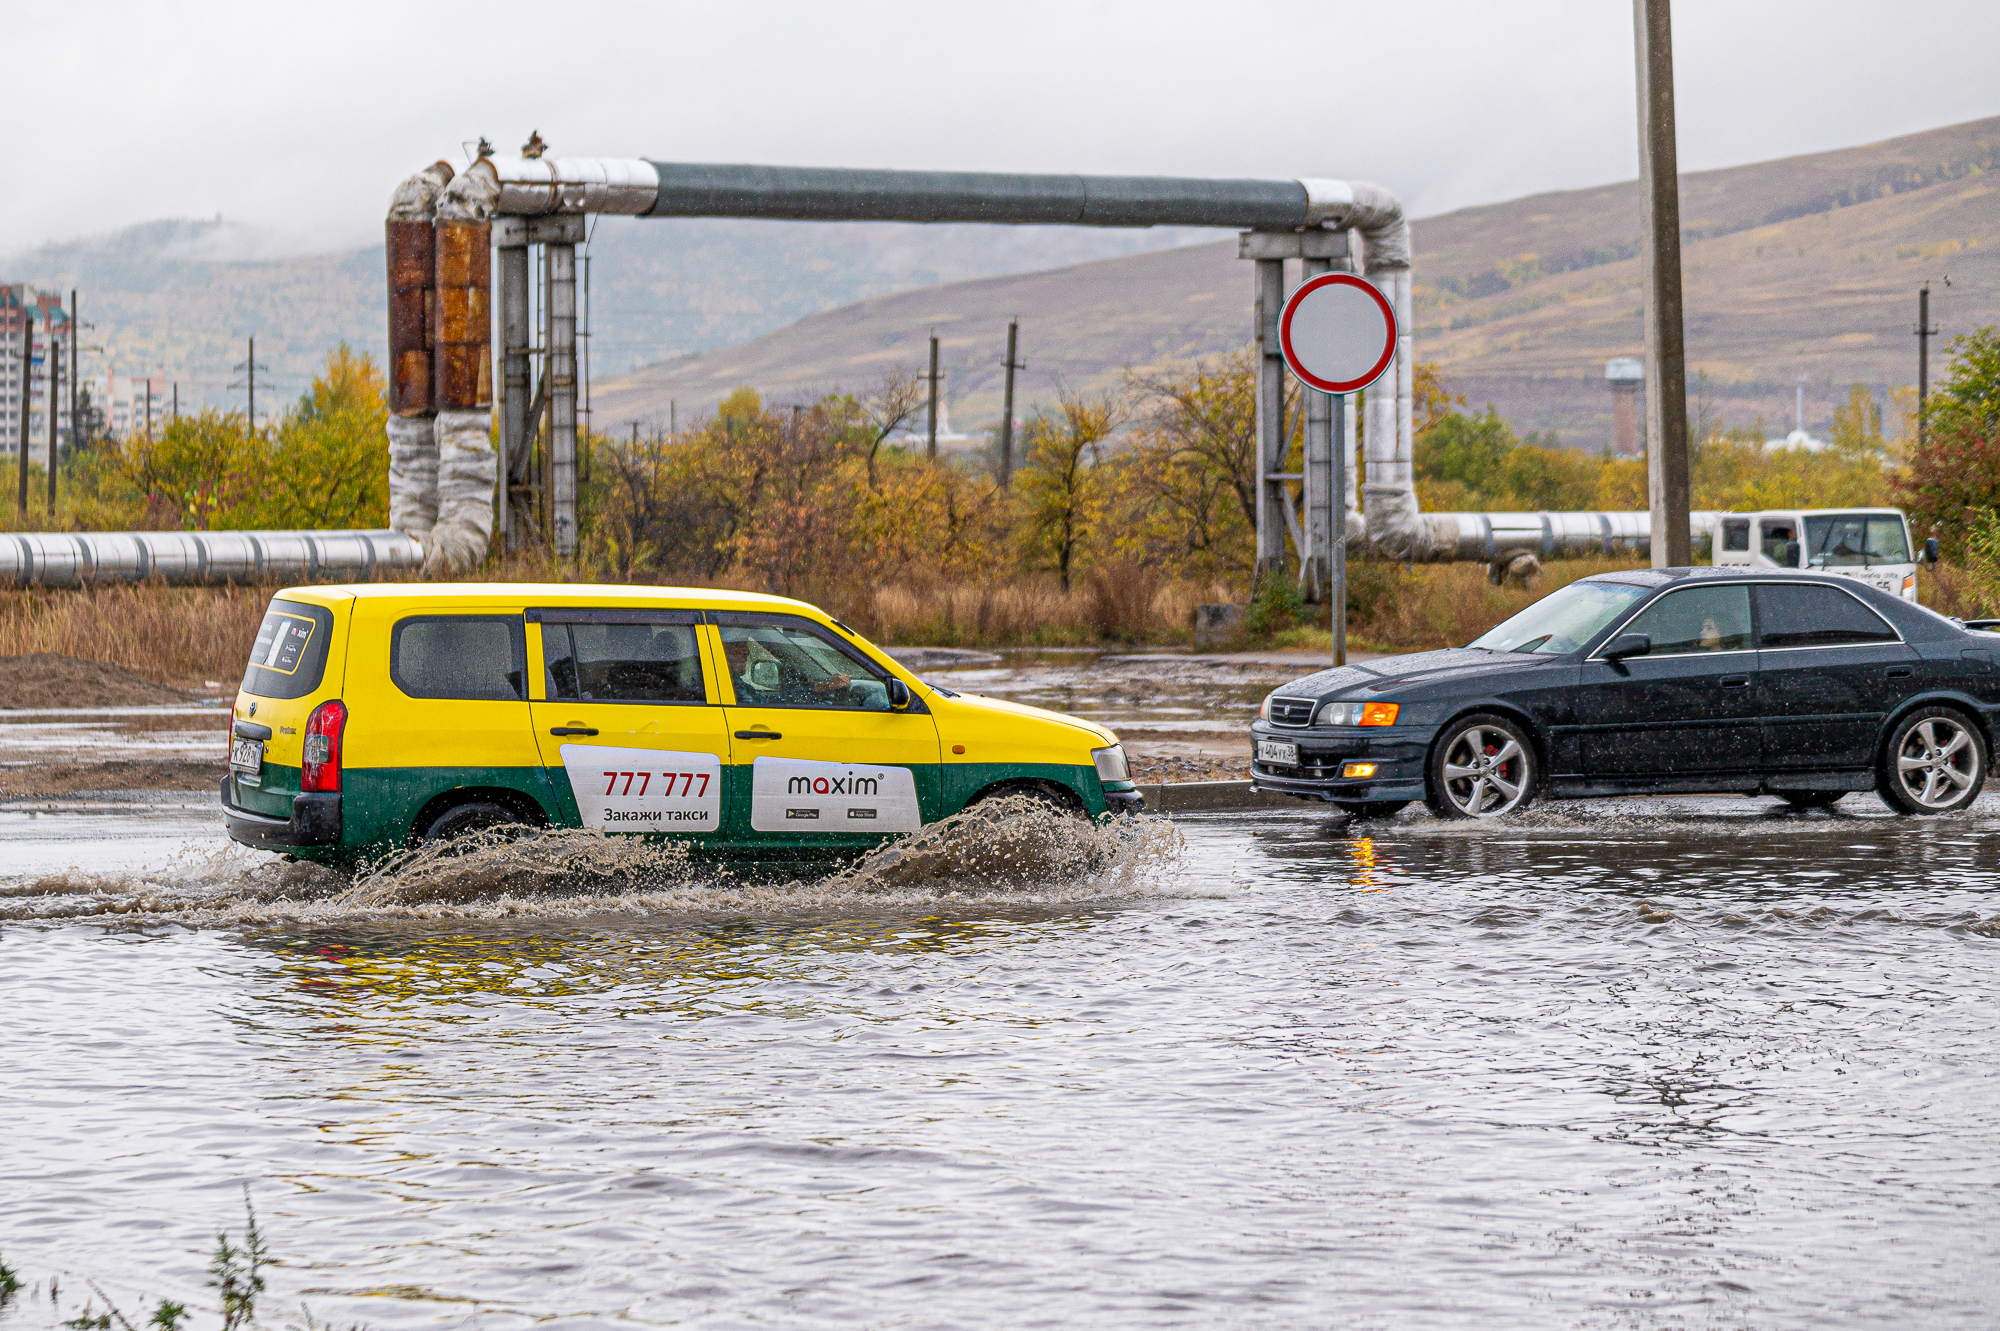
(1869, 544)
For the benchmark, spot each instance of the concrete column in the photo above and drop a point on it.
(560, 379)
(1316, 560)
(1271, 497)
(510, 297)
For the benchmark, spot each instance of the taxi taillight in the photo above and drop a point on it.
(319, 769)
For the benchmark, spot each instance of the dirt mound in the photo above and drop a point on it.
(46, 679)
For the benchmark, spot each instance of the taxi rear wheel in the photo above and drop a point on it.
(463, 820)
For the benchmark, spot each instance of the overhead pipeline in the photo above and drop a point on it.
(192, 558)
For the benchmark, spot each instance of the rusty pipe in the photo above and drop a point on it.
(412, 263)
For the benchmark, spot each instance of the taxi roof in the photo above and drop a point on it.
(549, 594)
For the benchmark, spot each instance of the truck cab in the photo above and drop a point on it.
(1871, 545)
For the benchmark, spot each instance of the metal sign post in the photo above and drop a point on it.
(1338, 335)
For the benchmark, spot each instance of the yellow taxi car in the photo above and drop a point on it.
(374, 717)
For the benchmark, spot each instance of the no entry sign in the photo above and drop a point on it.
(1338, 333)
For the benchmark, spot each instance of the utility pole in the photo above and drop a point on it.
(930, 448)
(177, 396)
(149, 406)
(1007, 403)
(253, 387)
(53, 354)
(1666, 352)
(27, 391)
(73, 375)
(1923, 356)
(673, 417)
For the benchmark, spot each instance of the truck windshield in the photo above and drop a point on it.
(1855, 540)
(1563, 620)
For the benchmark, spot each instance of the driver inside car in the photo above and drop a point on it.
(762, 675)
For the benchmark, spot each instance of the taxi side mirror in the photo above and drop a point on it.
(899, 692)
(1931, 550)
(1627, 644)
(1791, 554)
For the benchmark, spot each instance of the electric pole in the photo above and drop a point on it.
(52, 352)
(1924, 334)
(27, 391)
(73, 376)
(930, 448)
(149, 406)
(1666, 352)
(1007, 404)
(249, 382)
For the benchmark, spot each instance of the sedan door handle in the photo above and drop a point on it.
(1901, 672)
(572, 730)
(758, 734)
(1736, 681)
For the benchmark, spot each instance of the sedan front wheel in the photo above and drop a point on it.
(1483, 767)
(1935, 762)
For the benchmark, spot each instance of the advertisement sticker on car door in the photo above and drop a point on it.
(645, 790)
(796, 795)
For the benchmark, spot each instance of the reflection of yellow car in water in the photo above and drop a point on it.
(375, 716)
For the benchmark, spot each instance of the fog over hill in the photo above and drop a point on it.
(182, 296)
(1805, 265)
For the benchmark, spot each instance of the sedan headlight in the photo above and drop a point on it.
(1358, 714)
(1111, 763)
(1264, 712)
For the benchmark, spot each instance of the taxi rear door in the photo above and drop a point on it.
(630, 725)
(816, 735)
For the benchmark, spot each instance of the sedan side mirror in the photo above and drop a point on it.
(899, 692)
(1627, 644)
(1791, 554)
(1931, 550)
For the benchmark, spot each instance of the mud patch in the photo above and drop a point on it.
(40, 780)
(49, 679)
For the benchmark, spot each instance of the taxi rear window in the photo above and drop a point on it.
(289, 656)
(476, 658)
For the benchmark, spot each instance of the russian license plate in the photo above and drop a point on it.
(1278, 751)
(246, 755)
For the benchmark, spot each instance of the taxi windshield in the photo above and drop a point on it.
(1564, 620)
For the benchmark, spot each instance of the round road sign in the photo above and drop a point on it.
(1338, 333)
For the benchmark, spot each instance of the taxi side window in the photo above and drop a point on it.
(478, 658)
(781, 661)
(623, 662)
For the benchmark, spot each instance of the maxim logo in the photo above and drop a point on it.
(839, 785)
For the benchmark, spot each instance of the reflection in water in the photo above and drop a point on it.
(1653, 1064)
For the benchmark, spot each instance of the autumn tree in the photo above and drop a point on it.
(1063, 489)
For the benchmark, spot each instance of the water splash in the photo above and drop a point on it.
(1010, 851)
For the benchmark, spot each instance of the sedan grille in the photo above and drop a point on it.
(1292, 711)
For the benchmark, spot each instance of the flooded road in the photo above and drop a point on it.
(1677, 1063)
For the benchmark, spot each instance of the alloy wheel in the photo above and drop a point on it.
(1486, 772)
(1937, 763)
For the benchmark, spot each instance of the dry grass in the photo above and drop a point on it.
(1112, 605)
(177, 635)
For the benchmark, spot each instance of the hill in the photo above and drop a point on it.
(1805, 265)
(184, 294)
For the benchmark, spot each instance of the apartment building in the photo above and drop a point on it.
(40, 314)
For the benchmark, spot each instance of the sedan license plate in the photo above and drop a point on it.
(246, 755)
(1279, 751)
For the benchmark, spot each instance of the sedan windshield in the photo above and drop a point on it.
(1563, 621)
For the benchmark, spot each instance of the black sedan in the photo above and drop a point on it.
(1801, 685)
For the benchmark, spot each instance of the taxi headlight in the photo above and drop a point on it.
(1111, 763)
(1359, 714)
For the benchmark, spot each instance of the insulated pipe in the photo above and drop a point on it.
(411, 250)
(463, 386)
(530, 187)
(1494, 537)
(193, 558)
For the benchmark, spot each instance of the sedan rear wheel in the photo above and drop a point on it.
(1935, 762)
(1484, 767)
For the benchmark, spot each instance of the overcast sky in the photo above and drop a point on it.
(303, 116)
